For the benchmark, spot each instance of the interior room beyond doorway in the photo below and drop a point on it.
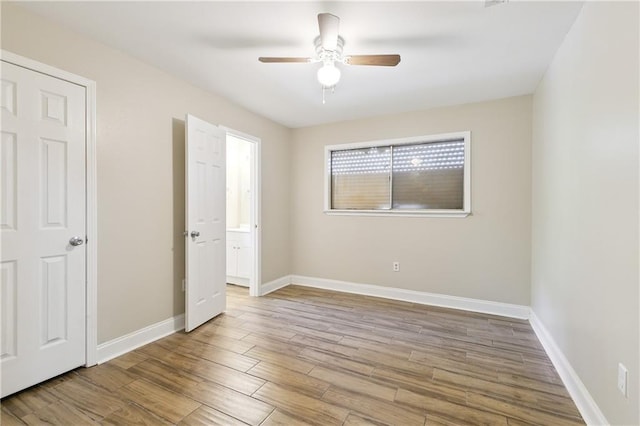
(239, 198)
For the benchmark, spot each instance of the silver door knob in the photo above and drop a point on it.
(76, 241)
(195, 234)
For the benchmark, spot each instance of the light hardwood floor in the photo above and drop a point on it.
(304, 356)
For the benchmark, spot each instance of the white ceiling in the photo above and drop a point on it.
(452, 52)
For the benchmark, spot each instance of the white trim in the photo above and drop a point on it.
(123, 344)
(274, 285)
(91, 192)
(40, 67)
(257, 223)
(401, 141)
(464, 212)
(585, 403)
(403, 213)
(241, 281)
(92, 227)
(256, 207)
(423, 298)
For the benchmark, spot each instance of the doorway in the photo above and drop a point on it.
(243, 210)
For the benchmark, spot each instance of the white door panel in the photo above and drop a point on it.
(245, 261)
(232, 259)
(205, 201)
(43, 206)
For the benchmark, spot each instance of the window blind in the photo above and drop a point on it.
(360, 179)
(428, 176)
(405, 177)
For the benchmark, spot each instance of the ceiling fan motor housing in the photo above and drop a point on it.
(329, 56)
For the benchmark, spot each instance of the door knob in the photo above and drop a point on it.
(76, 241)
(195, 234)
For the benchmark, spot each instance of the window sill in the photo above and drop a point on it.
(402, 213)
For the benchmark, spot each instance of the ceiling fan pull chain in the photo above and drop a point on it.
(323, 90)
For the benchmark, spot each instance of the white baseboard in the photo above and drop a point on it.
(122, 345)
(588, 408)
(131, 341)
(423, 298)
(274, 285)
(242, 282)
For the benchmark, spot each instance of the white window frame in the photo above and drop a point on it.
(443, 137)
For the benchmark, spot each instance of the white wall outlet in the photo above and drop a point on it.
(183, 284)
(396, 266)
(622, 379)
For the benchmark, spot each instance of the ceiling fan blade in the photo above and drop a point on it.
(380, 60)
(267, 59)
(328, 24)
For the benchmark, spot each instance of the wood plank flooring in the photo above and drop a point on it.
(304, 356)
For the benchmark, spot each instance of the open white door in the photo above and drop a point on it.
(206, 228)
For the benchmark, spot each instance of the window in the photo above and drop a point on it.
(418, 176)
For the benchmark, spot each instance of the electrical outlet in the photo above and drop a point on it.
(396, 266)
(622, 379)
(183, 284)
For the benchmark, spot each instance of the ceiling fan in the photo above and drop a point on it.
(328, 46)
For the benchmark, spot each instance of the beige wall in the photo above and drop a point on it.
(140, 152)
(484, 256)
(585, 203)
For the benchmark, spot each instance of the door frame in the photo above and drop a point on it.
(91, 282)
(255, 280)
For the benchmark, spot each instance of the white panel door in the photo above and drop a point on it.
(42, 184)
(206, 222)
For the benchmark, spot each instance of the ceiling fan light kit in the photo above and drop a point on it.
(328, 46)
(328, 75)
